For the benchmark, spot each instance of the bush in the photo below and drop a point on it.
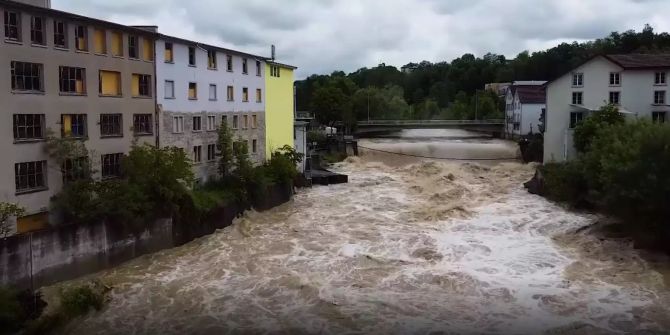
(12, 317)
(564, 182)
(79, 301)
(587, 130)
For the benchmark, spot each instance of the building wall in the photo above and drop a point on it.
(181, 73)
(279, 109)
(636, 96)
(52, 104)
(301, 144)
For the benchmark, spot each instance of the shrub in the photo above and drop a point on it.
(7, 211)
(587, 130)
(79, 301)
(11, 313)
(564, 182)
(282, 166)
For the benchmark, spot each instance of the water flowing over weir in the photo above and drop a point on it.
(407, 247)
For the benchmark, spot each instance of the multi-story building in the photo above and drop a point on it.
(199, 87)
(637, 83)
(524, 105)
(78, 77)
(280, 102)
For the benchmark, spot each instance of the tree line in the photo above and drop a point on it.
(452, 90)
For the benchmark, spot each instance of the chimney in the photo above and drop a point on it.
(272, 52)
(37, 3)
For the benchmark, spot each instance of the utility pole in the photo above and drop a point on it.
(476, 103)
(368, 106)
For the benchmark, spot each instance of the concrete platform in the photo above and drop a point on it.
(325, 177)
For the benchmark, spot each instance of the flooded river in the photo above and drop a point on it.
(410, 246)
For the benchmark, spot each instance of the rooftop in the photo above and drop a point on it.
(532, 94)
(641, 61)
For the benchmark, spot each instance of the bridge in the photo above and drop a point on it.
(494, 127)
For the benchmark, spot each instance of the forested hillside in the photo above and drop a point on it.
(447, 89)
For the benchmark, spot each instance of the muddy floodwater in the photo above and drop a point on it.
(410, 246)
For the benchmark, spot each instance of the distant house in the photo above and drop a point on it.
(637, 83)
(498, 88)
(524, 105)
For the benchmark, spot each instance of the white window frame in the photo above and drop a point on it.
(214, 96)
(178, 124)
(171, 92)
(578, 79)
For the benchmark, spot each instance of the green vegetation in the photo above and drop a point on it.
(8, 211)
(79, 301)
(12, 316)
(621, 170)
(447, 90)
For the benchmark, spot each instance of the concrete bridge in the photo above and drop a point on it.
(493, 127)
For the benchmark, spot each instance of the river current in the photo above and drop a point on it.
(410, 245)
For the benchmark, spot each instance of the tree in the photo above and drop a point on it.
(225, 144)
(7, 212)
(330, 104)
(586, 130)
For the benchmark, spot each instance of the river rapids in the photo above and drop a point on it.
(408, 246)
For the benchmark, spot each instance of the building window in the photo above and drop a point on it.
(245, 94)
(28, 127)
(229, 63)
(30, 176)
(577, 79)
(26, 76)
(575, 118)
(12, 26)
(169, 89)
(99, 41)
(177, 124)
(192, 91)
(615, 78)
(72, 80)
(211, 122)
(142, 124)
(132, 47)
(60, 34)
(211, 59)
(615, 98)
(259, 95)
(254, 146)
(73, 125)
(235, 121)
(141, 85)
(275, 71)
(240, 146)
(254, 121)
(211, 152)
(191, 56)
(659, 78)
(147, 49)
(37, 30)
(515, 126)
(111, 125)
(212, 92)
(245, 67)
(658, 117)
(74, 169)
(80, 35)
(117, 44)
(230, 93)
(169, 53)
(197, 123)
(577, 98)
(197, 153)
(110, 83)
(224, 120)
(258, 68)
(659, 98)
(246, 121)
(111, 165)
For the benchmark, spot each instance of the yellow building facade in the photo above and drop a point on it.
(279, 106)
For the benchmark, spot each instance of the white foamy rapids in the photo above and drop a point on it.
(429, 248)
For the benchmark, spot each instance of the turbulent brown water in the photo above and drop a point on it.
(409, 246)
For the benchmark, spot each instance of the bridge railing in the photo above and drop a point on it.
(427, 122)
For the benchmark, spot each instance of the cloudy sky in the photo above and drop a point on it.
(320, 36)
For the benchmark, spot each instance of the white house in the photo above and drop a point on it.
(637, 83)
(200, 86)
(524, 105)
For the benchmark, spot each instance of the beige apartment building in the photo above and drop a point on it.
(78, 77)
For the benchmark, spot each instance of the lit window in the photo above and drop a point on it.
(169, 53)
(117, 44)
(147, 49)
(192, 91)
(100, 41)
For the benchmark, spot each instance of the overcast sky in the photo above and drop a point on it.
(320, 36)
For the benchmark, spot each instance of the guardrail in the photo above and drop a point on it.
(427, 122)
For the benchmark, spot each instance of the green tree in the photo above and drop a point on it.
(586, 130)
(225, 144)
(7, 212)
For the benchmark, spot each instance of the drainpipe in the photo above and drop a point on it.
(157, 130)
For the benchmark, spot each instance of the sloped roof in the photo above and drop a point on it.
(641, 61)
(531, 94)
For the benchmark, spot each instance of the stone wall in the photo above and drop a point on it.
(66, 252)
